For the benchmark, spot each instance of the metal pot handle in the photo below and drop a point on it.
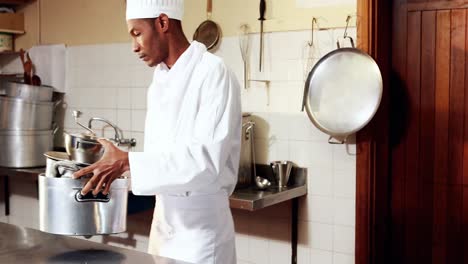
(89, 197)
(55, 128)
(351, 40)
(337, 141)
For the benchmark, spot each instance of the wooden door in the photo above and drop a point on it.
(429, 133)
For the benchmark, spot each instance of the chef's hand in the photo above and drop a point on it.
(113, 164)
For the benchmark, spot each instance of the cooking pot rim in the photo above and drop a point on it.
(24, 101)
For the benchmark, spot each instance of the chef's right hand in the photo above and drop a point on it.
(113, 164)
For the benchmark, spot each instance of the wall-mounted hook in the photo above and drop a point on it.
(348, 18)
(311, 42)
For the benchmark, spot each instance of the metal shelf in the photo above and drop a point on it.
(9, 53)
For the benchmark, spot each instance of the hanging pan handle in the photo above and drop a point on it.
(89, 197)
(209, 9)
(351, 40)
(337, 141)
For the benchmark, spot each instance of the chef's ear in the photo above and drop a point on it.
(163, 22)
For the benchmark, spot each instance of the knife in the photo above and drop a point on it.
(261, 18)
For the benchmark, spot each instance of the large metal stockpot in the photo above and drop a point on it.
(24, 149)
(26, 91)
(19, 114)
(247, 157)
(63, 210)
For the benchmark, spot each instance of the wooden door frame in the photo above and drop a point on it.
(372, 161)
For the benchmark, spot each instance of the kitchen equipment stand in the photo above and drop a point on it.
(253, 199)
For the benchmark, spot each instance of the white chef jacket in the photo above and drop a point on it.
(191, 157)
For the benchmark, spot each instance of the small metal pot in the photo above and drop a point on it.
(26, 92)
(19, 114)
(63, 210)
(83, 148)
(61, 168)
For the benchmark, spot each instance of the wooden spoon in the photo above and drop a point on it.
(27, 67)
(35, 80)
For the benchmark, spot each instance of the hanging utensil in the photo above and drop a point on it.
(343, 92)
(244, 49)
(261, 18)
(35, 80)
(29, 77)
(27, 66)
(208, 32)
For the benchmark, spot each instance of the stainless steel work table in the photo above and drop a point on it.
(253, 199)
(250, 198)
(25, 245)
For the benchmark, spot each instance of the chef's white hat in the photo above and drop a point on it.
(153, 8)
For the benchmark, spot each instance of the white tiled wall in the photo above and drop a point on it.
(109, 81)
(327, 214)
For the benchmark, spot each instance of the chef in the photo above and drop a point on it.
(192, 140)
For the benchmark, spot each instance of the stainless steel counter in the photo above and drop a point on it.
(252, 198)
(48, 248)
(24, 245)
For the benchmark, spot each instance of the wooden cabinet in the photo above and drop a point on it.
(14, 2)
(12, 22)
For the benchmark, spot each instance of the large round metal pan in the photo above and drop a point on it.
(208, 32)
(343, 92)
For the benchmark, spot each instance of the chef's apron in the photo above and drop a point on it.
(193, 228)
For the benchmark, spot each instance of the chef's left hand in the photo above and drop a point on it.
(113, 164)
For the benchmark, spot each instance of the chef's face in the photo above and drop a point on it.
(149, 40)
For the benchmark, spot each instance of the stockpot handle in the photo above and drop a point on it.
(89, 197)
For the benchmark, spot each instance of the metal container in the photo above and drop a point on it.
(343, 92)
(6, 41)
(19, 114)
(83, 148)
(281, 171)
(63, 210)
(26, 92)
(61, 167)
(24, 149)
(247, 157)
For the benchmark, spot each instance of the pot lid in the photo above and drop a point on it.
(61, 156)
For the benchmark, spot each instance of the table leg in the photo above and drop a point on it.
(294, 228)
(6, 194)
